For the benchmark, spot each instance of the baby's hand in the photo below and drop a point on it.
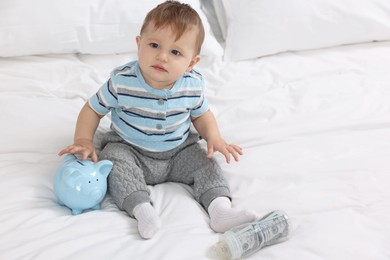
(83, 147)
(226, 149)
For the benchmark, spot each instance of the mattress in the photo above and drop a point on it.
(314, 126)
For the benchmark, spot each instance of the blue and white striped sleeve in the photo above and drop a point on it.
(105, 99)
(200, 108)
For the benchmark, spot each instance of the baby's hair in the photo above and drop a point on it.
(179, 17)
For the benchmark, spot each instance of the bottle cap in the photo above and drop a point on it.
(233, 244)
(221, 251)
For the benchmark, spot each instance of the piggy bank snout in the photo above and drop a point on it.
(96, 194)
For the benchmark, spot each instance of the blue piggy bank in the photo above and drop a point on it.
(81, 184)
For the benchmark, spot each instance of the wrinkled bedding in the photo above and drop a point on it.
(314, 126)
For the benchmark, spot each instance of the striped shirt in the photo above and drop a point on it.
(153, 119)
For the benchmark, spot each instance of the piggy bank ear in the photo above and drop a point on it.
(69, 157)
(104, 167)
(71, 177)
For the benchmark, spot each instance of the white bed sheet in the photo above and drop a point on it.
(314, 125)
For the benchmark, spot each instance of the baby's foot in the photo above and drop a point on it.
(223, 217)
(148, 220)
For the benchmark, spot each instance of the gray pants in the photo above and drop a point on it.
(135, 168)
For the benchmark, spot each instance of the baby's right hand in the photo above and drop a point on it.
(83, 147)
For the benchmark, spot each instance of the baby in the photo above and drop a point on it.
(153, 102)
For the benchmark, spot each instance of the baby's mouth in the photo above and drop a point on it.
(159, 68)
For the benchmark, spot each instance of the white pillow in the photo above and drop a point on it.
(84, 26)
(257, 28)
(221, 16)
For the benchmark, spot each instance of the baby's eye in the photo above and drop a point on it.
(176, 52)
(153, 45)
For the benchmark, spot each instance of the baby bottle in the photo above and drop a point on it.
(246, 239)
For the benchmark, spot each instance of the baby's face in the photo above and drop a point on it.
(163, 59)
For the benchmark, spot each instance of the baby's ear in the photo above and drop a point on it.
(193, 62)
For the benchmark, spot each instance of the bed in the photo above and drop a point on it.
(302, 86)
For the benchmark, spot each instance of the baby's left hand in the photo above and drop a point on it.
(218, 144)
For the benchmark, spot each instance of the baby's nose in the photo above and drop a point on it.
(162, 56)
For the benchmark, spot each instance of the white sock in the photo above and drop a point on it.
(148, 220)
(223, 217)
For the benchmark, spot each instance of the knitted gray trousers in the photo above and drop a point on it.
(135, 168)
